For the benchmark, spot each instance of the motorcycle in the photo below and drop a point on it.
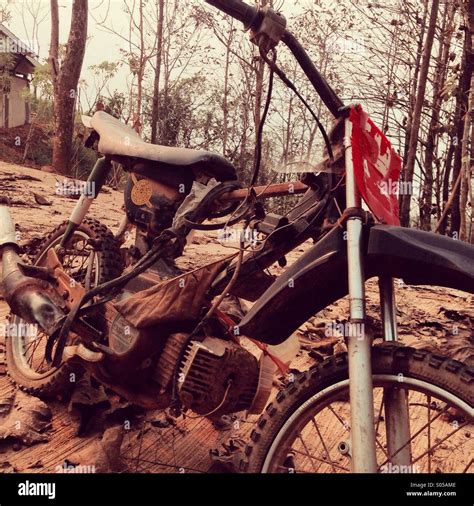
(167, 341)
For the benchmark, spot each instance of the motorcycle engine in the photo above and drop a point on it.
(215, 376)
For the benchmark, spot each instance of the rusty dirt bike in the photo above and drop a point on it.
(164, 341)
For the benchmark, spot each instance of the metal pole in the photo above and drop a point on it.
(397, 419)
(389, 309)
(264, 192)
(94, 184)
(358, 344)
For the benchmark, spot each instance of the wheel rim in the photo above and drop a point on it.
(83, 265)
(316, 437)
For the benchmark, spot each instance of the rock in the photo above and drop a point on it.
(47, 168)
(122, 411)
(460, 348)
(6, 467)
(88, 403)
(20, 202)
(24, 418)
(36, 465)
(161, 420)
(41, 200)
(3, 369)
(19, 177)
(104, 455)
(222, 422)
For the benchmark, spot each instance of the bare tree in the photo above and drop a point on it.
(426, 200)
(468, 129)
(420, 96)
(65, 76)
(156, 83)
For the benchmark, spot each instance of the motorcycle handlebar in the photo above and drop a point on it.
(249, 16)
(329, 97)
(237, 9)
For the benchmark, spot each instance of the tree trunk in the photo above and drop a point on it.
(405, 200)
(156, 83)
(65, 77)
(461, 111)
(414, 86)
(137, 120)
(466, 153)
(426, 203)
(225, 103)
(442, 224)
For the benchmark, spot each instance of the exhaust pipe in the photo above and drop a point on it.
(28, 297)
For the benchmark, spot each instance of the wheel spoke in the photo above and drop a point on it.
(308, 454)
(417, 433)
(312, 457)
(313, 437)
(35, 347)
(468, 466)
(441, 441)
(78, 259)
(343, 422)
(323, 443)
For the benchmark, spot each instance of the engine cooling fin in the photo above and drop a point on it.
(217, 377)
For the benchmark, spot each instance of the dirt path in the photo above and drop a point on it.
(439, 318)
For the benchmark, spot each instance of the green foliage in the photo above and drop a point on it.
(83, 160)
(105, 70)
(40, 152)
(7, 61)
(42, 82)
(180, 121)
(114, 104)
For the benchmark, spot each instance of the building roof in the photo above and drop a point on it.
(17, 47)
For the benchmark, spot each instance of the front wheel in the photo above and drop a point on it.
(90, 257)
(306, 429)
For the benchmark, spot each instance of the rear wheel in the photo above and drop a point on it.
(306, 429)
(91, 257)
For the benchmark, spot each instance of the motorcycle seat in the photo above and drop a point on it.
(116, 138)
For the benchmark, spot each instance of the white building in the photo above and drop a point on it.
(17, 63)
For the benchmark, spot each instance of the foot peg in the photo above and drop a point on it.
(79, 350)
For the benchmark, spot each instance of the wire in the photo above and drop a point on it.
(115, 284)
(215, 409)
(258, 141)
(205, 319)
(279, 72)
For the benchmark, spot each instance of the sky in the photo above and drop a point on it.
(101, 44)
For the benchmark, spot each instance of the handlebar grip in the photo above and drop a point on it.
(239, 10)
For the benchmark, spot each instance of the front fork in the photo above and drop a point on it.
(94, 184)
(397, 421)
(359, 345)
